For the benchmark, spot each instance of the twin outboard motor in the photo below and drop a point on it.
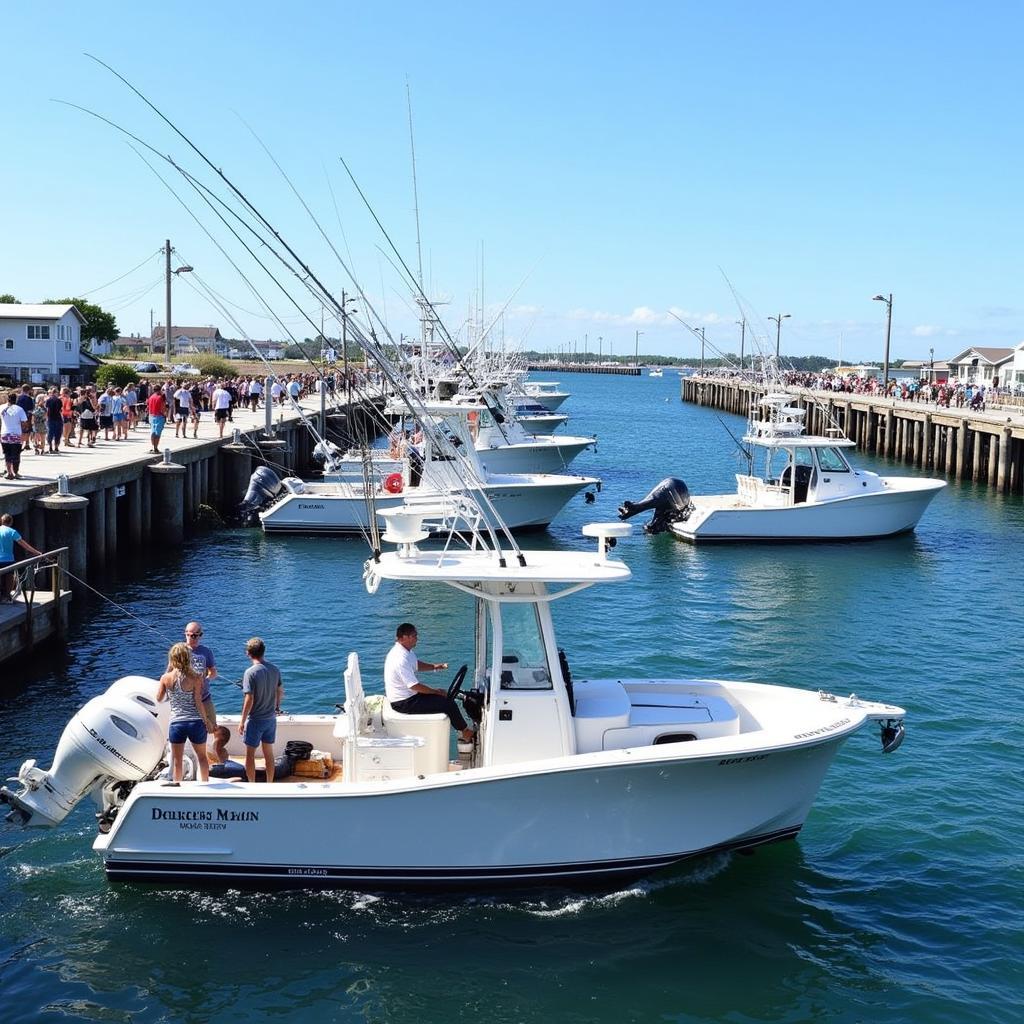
(118, 737)
(264, 486)
(669, 500)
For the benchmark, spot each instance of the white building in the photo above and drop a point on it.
(40, 342)
(979, 365)
(191, 340)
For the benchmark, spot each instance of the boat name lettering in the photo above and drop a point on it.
(824, 729)
(307, 505)
(223, 815)
(743, 760)
(160, 814)
(312, 872)
(113, 750)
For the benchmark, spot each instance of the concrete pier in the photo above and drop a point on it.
(987, 447)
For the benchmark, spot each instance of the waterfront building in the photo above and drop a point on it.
(978, 365)
(191, 340)
(40, 342)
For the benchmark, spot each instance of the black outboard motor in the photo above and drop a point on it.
(669, 500)
(264, 486)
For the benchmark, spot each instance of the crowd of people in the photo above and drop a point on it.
(50, 421)
(949, 394)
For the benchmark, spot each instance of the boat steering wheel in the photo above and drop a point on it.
(456, 685)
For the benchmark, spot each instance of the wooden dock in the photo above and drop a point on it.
(986, 447)
(40, 608)
(621, 371)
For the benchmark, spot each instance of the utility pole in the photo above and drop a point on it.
(636, 348)
(743, 335)
(702, 351)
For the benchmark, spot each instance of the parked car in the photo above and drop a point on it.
(185, 370)
(146, 368)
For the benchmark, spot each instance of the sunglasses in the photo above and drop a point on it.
(200, 633)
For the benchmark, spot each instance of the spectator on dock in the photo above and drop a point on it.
(255, 391)
(181, 686)
(87, 428)
(54, 422)
(261, 705)
(156, 406)
(221, 401)
(119, 414)
(8, 538)
(38, 424)
(203, 664)
(276, 391)
(67, 415)
(104, 408)
(182, 410)
(28, 403)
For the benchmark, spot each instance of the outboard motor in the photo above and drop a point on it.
(118, 737)
(669, 500)
(264, 486)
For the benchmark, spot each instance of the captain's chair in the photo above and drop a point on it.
(434, 730)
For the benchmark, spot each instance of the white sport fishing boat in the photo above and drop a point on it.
(807, 490)
(568, 781)
(545, 392)
(354, 488)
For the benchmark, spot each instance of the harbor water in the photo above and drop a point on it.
(900, 901)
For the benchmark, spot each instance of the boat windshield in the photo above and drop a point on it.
(523, 663)
(832, 461)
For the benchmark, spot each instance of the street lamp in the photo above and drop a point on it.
(888, 335)
(778, 330)
(931, 367)
(742, 325)
(636, 348)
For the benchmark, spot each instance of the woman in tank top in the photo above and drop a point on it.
(182, 687)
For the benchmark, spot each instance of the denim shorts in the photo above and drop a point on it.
(260, 730)
(194, 729)
(157, 423)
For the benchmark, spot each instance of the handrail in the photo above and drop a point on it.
(55, 560)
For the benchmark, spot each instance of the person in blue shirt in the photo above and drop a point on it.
(8, 538)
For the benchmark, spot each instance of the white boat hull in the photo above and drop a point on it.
(542, 455)
(542, 426)
(341, 508)
(542, 822)
(895, 509)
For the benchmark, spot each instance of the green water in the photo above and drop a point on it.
(899, 901)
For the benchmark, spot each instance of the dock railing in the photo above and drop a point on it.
(27, 584)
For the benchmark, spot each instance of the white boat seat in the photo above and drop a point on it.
(434, 730)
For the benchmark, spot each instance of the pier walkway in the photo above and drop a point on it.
(986, 447)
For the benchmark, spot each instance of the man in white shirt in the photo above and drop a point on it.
(407, 694)
(183, 402)
(221, 402)
(276, 391)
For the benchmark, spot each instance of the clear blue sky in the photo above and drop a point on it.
(631, 159)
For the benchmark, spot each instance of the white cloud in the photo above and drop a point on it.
(928, 331)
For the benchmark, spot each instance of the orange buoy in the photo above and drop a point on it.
(393, 483)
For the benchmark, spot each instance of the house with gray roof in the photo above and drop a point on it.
(191, 340)
(41, 343)
(981, 365)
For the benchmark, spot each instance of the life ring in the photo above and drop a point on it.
(393, 483)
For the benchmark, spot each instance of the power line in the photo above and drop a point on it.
(90, 291)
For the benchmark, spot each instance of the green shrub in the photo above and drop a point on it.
(118, 374)
(214, 366)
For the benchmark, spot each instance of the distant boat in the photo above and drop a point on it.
(657, 372)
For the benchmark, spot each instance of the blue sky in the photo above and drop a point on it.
(625, 160)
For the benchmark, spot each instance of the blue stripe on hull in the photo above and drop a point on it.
(318, 876)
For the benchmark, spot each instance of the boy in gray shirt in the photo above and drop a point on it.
(263, 691)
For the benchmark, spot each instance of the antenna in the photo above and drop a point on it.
(415, 190)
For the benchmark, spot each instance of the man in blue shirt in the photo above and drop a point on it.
(203, 665)
(8, 538)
